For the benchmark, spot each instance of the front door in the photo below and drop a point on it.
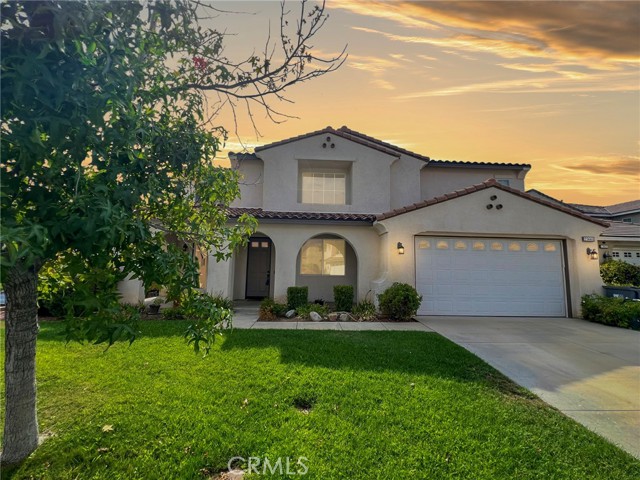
(258, 267)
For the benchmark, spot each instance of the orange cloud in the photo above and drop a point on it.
(592, 32)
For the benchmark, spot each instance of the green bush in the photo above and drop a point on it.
(304, 311)
(270, 309)
(365, 310)
(400, 301)
(173, 313)
(611, 311)
(618, 273)
(343, 297)
(69, 284)
(297, 296)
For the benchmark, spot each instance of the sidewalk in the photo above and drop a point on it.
(246, 317)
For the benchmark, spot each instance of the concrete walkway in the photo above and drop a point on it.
(588, 371)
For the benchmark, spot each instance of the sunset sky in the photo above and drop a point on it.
(553, 84)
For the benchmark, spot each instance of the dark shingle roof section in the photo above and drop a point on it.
(590, 209)
(625, 207)
(622, 229)
(243, 156)
(483, 186)
(313, 216)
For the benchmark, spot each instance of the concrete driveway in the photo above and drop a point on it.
(588, 371)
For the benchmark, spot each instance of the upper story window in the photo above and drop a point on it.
(503, 181)
(324, 188)
(324, 182)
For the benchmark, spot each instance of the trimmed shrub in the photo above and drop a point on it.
(343, 297)
(270, 309)
(400, 301)
(304, 311)
(620, 274)
(173, 313)
(365, 310)
(611, 311)
(297, 296)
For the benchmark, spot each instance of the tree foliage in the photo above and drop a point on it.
(107, 147)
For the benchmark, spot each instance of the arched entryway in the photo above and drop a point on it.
(324, 261)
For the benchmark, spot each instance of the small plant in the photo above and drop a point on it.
(620, 274)
(270, 310)
(343, 297)
(173, 313)
(365, 310)
(297, 296)
(611, 311)
(304, 311)
(400, 301)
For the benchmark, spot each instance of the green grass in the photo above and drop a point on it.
(381, 405)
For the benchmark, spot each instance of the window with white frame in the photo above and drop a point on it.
(503, 181)
(324, 188)
(323, 256)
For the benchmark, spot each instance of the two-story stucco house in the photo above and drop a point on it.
(338, 207)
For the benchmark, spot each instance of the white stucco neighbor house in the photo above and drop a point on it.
(338, 207)
(621, 241)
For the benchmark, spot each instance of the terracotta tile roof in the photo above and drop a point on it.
(371, 142)
(483, 186)
(459, 163)
(331, 131)
(316, 216)
(622, 229)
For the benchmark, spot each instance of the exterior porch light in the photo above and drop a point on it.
(400, 248)
(593, 253)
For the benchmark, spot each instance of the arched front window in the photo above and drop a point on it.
(323, 256)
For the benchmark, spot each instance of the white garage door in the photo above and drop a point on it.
(490, 276)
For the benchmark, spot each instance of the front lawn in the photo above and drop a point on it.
(361, 405)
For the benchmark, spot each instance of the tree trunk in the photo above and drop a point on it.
(21, 422)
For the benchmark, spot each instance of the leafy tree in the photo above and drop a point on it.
(107, 146)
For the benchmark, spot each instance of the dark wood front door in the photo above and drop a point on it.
(258, 267)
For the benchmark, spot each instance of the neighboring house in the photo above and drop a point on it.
(621, 241)
(338, 207)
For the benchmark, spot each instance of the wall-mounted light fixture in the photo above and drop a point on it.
(400, 248)
(593, 253)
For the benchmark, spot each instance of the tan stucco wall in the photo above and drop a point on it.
(436, 181)
(287, 240)
(369, 182)
(251, 182)
(468, 216)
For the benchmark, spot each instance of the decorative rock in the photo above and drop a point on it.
(315, 316)
(290, 314)
(344, 317)
(333, 317)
